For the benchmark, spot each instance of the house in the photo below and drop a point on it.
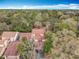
(11, 51)
(26, 35)
(11, 36)
(6, 38)
(37, 35)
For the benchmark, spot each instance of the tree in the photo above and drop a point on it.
(48, 42)
(37, 24)
(77, 30)
(25, 48)
(65, 45)
(4, 27)
(50, 24)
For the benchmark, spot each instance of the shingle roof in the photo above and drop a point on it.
(11, 49)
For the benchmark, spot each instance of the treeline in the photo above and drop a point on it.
(25, 20)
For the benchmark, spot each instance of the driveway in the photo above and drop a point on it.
(39, 54)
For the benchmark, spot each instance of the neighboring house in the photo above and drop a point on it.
(11, 51)
(37, 36)
(10, 36)
(6, 38)
(11, 39)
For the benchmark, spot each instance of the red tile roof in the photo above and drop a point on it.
(38, 30)
(39, 33)
(39, 45)
(27, 35)
(11, 49)
(8, 34)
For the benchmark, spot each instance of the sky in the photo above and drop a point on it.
(39, 4)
